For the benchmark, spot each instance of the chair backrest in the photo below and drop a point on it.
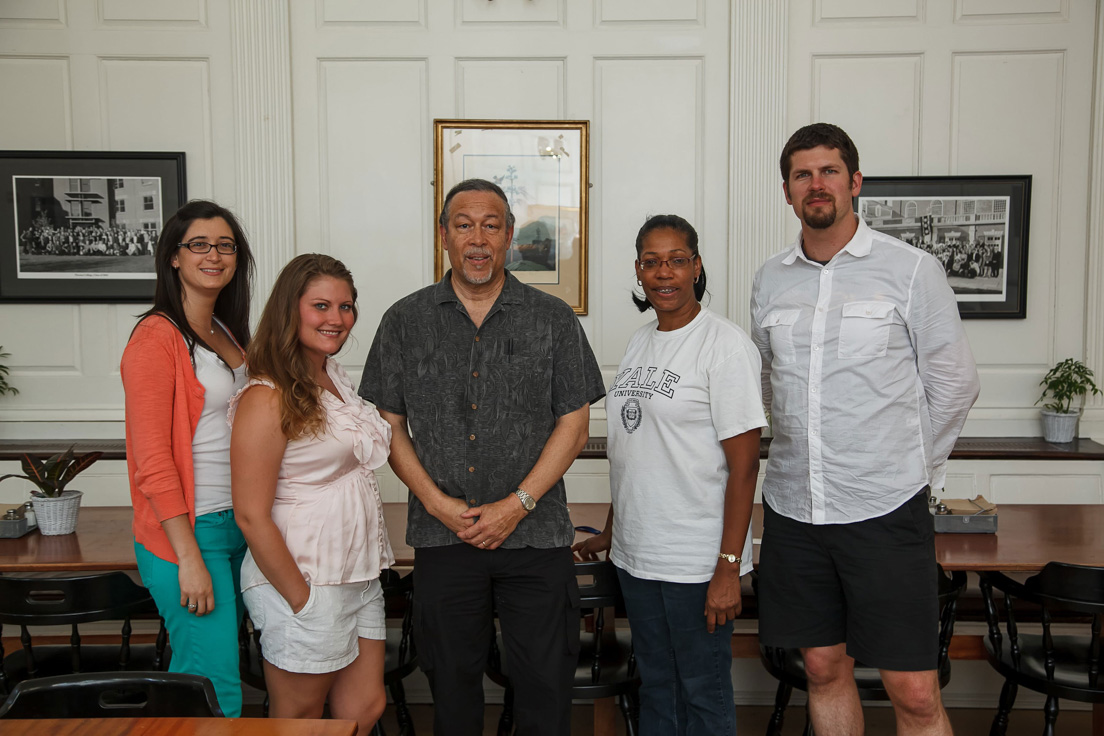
(71, 600)
(113, 695)
(1069, 587)
(598, 584)
(1060, 590)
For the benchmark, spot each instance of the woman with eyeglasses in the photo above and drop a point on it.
(684, 415)
(303, 453)
(184, 360)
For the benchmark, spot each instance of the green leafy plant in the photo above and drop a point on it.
(52, 475)
(5, 387)
(1065, 382)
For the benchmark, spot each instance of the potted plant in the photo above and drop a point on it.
(5, 387)
(55, 507)
(1069, 380)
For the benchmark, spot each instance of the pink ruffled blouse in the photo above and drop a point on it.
(328, 504)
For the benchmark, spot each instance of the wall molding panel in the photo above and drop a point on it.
(1094, 291)
(392, 14)
(865, 12)
(261, 68)
(757, 218)
(666, 12)
(152, 14)
(1011, 11)
(540, 13)
(34, 14)
(537, 88)
(42, 85)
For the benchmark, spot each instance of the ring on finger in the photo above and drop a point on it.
(193, 606)
(483, 543)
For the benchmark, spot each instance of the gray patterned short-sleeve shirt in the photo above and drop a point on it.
(481, 403)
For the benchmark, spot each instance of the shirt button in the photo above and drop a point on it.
(471, 502)
(471, 470)
(471, 436)
(816, 347)
(475, 374)
(814, 389)
(474, 406)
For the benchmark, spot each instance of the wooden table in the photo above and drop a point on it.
(176, 727)
(1029, 536)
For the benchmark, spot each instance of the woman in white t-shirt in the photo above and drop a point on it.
(684, 414)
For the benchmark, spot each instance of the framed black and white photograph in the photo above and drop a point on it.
(976, 226)
(81, 226)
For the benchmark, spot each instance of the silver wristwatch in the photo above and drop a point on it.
(527, 501)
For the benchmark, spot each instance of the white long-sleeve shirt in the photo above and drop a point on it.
(867, 374)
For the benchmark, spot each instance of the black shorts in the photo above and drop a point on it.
(872, 584)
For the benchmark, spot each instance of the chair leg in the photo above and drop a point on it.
(808, 724)
(402, 710)
(506, 720)
(377, 730)
(631, 714)
(1050, 712)
(1007, 700)
(778, 717)
(159, 662)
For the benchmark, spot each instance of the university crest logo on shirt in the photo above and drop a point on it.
(631, 414)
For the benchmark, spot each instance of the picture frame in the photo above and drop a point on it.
(977, 226)
(543, 167)
(81, 226)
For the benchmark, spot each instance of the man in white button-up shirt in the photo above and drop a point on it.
(868, 377)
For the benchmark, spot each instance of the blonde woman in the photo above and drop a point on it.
(303, 449)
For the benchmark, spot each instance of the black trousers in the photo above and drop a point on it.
(457, 590)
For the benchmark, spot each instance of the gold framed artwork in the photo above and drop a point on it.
(542, 166)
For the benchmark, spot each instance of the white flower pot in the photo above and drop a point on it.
(1059, 427)
(57, 515)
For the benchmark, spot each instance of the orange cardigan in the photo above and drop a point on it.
(164, 401)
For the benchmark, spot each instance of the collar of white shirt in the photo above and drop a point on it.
(858, 246)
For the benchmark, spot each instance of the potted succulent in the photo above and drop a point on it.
(55, 507)
(1071, 379)
(5, 387)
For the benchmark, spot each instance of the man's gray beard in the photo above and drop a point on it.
(477, 280)
(821, 219)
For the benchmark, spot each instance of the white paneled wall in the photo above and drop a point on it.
(314, 120)
(105, 75)
(970, 87)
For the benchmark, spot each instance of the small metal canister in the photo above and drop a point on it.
(29, 514)
(13, 524)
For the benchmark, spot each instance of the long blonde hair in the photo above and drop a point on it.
(275, 352)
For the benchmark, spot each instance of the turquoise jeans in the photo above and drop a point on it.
(204, 645)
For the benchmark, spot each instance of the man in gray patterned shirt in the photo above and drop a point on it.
(487, 384)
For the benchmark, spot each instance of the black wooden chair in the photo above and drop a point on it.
(1065, 664)
(606, 668)
(70, 601)
(113, 695)
(400, 659)
(788, 667)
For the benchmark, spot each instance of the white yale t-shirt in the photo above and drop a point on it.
(677, 394)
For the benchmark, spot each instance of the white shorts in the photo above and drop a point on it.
(322, 637)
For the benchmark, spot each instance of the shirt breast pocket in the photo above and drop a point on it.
(779, 324)
(864, 329)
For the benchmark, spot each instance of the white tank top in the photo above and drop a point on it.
(211, 443)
